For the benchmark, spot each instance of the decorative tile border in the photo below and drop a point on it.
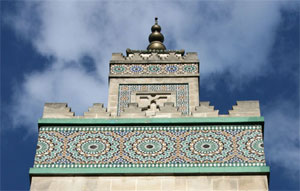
(149, 165)
(152, 128)
(148, 170)
(149, 146)
(154, 69)
(181, 90)
(168, 121)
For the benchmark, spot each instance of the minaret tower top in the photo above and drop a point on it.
(156, 39)
(153, 131)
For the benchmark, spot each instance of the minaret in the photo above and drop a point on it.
(155, 134)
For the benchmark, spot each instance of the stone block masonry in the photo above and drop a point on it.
(150, 183)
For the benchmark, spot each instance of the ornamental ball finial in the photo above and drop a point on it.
(156, 39)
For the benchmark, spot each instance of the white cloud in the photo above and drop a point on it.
(282, 136)
(235, 37)
(70, 85)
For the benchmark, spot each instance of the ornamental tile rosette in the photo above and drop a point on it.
(170, 68)
(189, 68)
(93, 146)
(118, 69)
(154, 69)
(136, 69)
(205, 146)
(49, 148)
(251, 145)
(149, 147)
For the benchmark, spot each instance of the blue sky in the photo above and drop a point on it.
(58, 51)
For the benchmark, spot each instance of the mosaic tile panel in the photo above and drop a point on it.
(154, 69)
(181, 90)
(150, 146)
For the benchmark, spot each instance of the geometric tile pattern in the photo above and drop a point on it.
(181, 90)
(153, 69)
(149, 146)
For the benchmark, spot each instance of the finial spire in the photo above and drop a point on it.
(156, 39)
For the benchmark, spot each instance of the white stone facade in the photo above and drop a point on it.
(150, 183)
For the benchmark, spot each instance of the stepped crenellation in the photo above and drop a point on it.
(167, 110)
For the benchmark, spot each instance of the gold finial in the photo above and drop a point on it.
(156, 39)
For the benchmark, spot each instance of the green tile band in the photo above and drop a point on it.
(182, 170)
(150, 128)
(188, 120)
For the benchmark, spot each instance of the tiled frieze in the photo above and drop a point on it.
(149, 146)
(181, 91)
(154, 69)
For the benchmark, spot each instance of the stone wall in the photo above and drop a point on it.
(149, 183)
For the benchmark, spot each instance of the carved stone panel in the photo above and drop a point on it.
(150, 97)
